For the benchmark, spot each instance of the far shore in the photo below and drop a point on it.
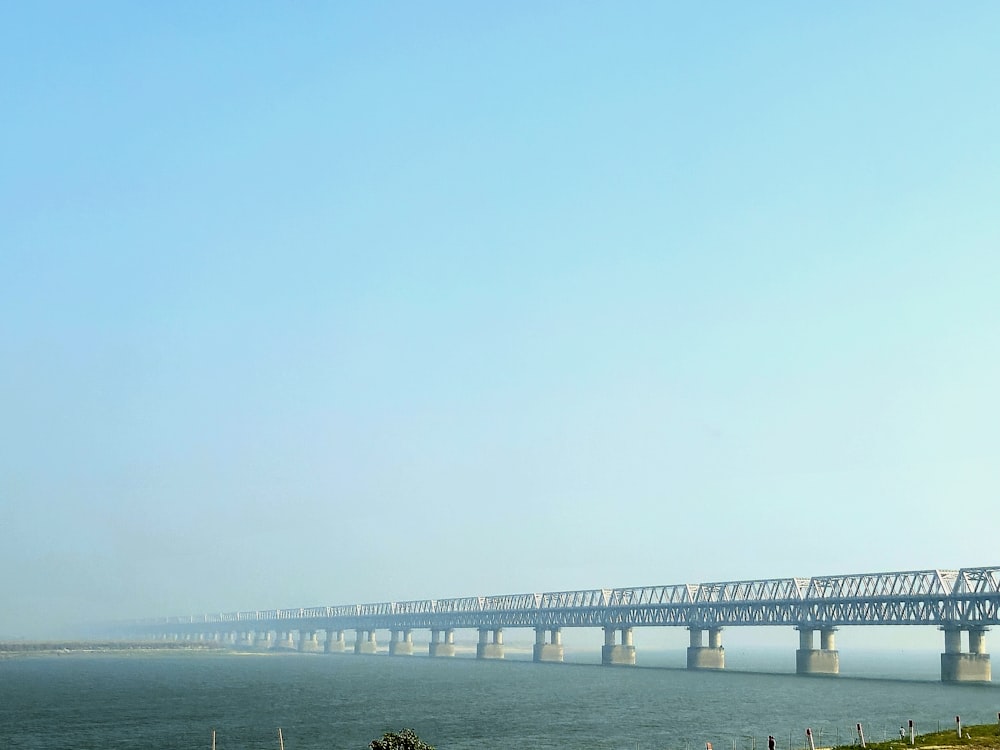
(26, 648)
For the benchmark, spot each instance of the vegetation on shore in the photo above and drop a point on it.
(404, 740)
(975, 737)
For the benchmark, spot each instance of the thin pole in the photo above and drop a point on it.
(213, 739)
(281, 740)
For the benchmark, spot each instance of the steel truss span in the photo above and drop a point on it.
(966, 599)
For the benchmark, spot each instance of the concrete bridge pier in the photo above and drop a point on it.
(245, 639)
(335, 642)
(401, 643)
(439, 648)
(700, 656)
(308, 643)
(622, 654)
(492, 649)
(364, 642)
(285, 641)
(970, 666)
(810, 660)
(551, 651)
(263, 640)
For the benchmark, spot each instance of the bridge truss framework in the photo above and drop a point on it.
(964, 599)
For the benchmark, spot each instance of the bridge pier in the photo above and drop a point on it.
(492, 649)
(810, 660)
(364, 642)
(400, 643)
(285, 641)
(308, 643)
(970, 666)
(622, 654)
(700, 656)
(551, 651)
(245, 639)
(334, 642)
(263, 640)
(439, 648)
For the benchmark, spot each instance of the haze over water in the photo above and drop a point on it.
(341, 702)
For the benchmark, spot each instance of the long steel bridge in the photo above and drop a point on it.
(956, 601)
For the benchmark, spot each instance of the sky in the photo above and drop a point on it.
(326, 303)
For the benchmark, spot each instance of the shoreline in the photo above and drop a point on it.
(12, 649)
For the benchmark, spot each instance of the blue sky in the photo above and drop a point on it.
(323, 303)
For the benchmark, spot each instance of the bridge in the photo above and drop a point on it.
(965, 601)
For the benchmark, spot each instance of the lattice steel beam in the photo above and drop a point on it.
(966, 597)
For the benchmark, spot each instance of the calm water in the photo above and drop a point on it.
(343, 701)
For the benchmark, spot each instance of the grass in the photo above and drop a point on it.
(976, 737)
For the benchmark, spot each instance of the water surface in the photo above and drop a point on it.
(334, 702)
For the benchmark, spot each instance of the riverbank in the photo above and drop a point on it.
(25, 648)
(976, 737)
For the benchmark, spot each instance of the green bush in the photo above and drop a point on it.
(404, 740)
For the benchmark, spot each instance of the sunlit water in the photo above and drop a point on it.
(343, 701)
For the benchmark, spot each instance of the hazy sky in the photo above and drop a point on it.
(319, 303)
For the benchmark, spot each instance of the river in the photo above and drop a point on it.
(343, 701)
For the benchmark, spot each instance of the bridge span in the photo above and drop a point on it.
(965, 601)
